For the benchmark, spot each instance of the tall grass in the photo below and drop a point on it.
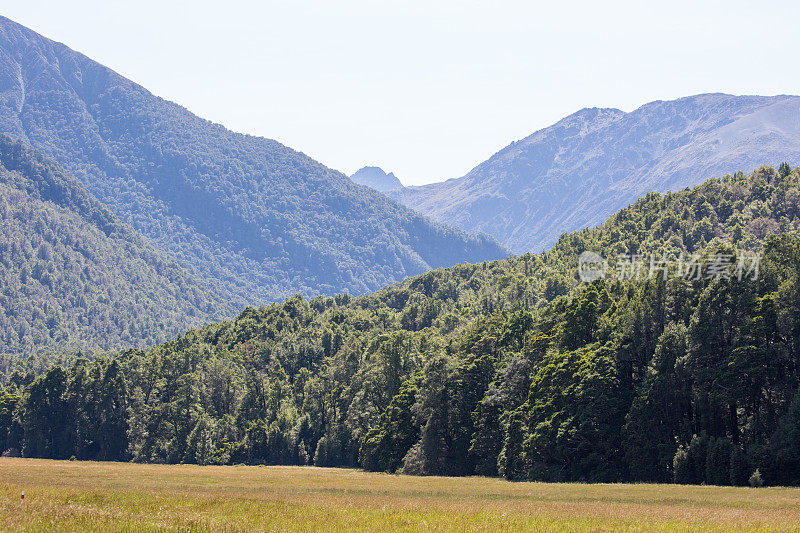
(128, 497)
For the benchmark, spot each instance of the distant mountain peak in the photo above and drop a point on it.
(576, 172)
(376, 178)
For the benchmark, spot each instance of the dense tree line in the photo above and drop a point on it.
(510, 368)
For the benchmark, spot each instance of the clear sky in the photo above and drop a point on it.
(424, 89)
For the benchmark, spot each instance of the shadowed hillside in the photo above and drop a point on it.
(74, 277)
(251, 218)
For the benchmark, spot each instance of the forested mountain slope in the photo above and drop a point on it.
(585, 167)
(250, 217)
(509, 368)
(74, 277)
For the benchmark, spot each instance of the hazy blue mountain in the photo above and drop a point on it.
(376, 178)
(578, 171)
(73, 276)
(250, 217)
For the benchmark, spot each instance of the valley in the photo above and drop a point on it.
(595, 329)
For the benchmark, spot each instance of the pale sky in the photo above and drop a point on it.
(426, 90)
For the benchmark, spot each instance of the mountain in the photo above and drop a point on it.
(74, 277)
(509, 367)
(251, 218)
(580, 170)
(376, 178)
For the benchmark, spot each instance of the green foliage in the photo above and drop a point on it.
(576, 412)
(386, 444)
(718, 461)
(690, 460)
(8, 403)
(657, 413)
(476, 369)
(785, 444)
(740, 468)
(45, 417)
(511, 462)
(73, 277)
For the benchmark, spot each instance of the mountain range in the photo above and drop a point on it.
(129, 219)
(130, 226)
(588, 165)
(248, 217)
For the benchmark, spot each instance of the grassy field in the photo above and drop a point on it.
(120, 496)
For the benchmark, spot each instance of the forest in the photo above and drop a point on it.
(511, 368)
(73, 277)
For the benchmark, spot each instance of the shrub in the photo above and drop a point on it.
(414, 461)
(755, 479)
(680, 466)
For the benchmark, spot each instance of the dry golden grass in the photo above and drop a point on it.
(128, 497)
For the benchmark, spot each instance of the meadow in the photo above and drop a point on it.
(73, 495)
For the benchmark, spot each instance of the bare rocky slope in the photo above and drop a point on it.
(585, 167)
(376, 178)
